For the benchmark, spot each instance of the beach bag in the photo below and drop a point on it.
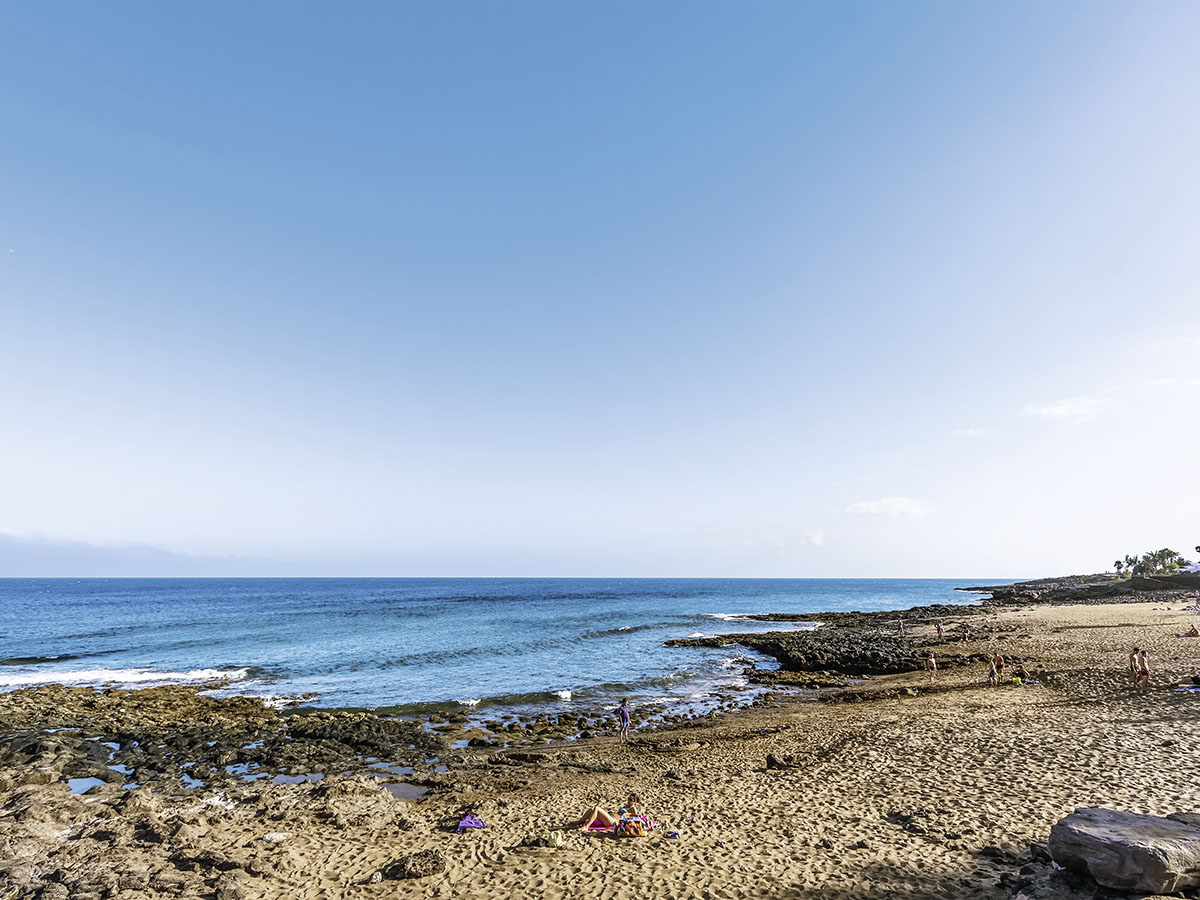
(556, 840)
(633, 827)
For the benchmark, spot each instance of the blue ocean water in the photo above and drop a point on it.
(396, 642)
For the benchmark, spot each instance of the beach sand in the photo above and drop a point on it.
(893, 797)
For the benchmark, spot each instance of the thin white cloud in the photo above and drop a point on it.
(1073, 409)
(890, 506)
(974, 432)
(816, 538)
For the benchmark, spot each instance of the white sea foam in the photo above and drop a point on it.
(697, 634)
(563, 695)
(143, 677)
(251, 687)
(277, 701)
(470, 701)
(725, 617)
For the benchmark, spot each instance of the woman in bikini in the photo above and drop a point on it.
(600, 819)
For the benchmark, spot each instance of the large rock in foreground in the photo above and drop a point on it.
(1130, 851)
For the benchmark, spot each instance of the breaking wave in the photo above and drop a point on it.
(128, 677)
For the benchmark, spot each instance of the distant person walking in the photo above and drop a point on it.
(623, 720)
(931, 666)
(965, 629)
(941, 630)
(998, 665)
(1133, 666)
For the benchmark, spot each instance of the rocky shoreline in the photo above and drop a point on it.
(159, 792)
(848, 646)
(174, 737)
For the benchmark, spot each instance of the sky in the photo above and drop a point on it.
(778, 289)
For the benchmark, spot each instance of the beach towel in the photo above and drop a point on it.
(470, 821)
(632, 826)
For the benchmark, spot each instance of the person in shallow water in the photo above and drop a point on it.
(623, 719)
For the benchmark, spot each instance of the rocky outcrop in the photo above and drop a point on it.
(1130, 851)
(851, 652)
(1181, 581)
(1087, 589)
(154, 736)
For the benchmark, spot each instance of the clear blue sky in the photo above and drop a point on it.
(810, 289)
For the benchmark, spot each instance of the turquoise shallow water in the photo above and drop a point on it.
(562, 643)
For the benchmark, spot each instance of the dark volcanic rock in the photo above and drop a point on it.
(1069, 589)
(158, 735)
(852, 652)
(415, 865)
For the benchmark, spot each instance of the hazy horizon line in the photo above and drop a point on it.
(516, 577)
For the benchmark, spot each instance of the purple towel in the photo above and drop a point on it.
(470, 821)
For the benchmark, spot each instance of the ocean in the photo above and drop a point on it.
(419, 644)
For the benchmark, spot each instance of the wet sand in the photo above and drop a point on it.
(892, 797)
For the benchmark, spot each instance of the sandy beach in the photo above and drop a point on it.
(924, 791)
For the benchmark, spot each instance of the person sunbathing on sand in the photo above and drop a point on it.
(1192, 632)
(600, 818)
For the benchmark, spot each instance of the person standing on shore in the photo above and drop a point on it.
(998, 667)
(1143, 671)
(931, 666)
(1133, 666)
(623, 720)
(941, 631)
